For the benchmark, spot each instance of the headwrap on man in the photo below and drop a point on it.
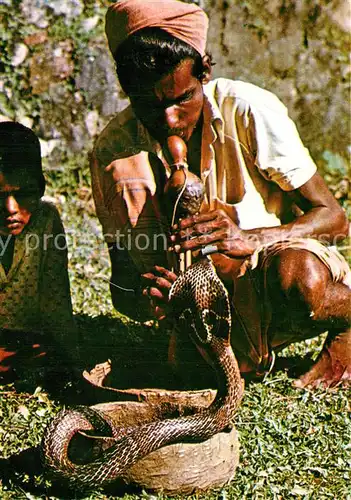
(184, 21)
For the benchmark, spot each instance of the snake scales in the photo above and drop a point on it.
(201, 305)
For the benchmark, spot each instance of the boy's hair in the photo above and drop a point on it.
(149, 54)
(20, 149)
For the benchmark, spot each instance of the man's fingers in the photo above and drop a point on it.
(194, 231)
(153, 293)
(166, 273)
(195, 219)
(215, 238)
(148, 276)
(158, 284)
(163, 283)
(160, 313)
(158, 290)
(204, 229)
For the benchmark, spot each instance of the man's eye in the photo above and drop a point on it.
(142, 101)
(187, 97)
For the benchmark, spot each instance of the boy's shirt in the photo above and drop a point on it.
(35, 292)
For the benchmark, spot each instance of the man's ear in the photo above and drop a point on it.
(207, 69)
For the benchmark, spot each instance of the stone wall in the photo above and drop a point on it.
(298, 49)
(58, 77)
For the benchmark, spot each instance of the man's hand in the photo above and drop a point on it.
(158, 284)
(213, 228)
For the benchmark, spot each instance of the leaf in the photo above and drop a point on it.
(23, 410)
(299, 491)
(41, 412)
(335, 164)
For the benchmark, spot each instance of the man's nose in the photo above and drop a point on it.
(11, 205)
(172, 117)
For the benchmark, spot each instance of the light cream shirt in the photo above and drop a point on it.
(251, 154)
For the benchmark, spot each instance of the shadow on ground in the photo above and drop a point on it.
(139, 360)
(138, 354)
(21, 471)
(294, 366)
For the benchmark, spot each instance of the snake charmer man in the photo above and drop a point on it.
(266, 208)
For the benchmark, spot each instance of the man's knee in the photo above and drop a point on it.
(300, 275)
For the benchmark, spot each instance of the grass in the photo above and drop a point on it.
(294, 444)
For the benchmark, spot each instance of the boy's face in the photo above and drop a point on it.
(172, 106)
(19, 198)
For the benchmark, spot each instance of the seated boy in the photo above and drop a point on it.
(36, 321)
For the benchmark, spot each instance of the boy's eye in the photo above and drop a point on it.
(27, 194)
(20, 194)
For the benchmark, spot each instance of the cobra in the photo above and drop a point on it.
(201, 305)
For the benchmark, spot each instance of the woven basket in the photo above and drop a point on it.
(182, 468)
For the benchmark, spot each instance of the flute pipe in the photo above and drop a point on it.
(172, 261)
(188, 258)
(182, 262)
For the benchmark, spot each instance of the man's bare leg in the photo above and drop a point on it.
(333, 365)
(306, 289)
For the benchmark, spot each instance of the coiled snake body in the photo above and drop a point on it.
(207, 316)
(200, 302)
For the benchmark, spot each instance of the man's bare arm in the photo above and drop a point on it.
(323, 218)
(141, 297)
(126, 286)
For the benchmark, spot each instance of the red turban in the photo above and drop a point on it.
(185, 21)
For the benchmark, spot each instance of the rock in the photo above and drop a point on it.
(51, 65)
(4, 118)
(67, 8)
(27, 121)
(5, 104)
(273, 6)
(47, 147)
(79, 137)
(286, 91)
(98, 81)
(283, 54)
(90, 23)
(243, 50)
(336, 123)
(55, 113)
(339, 13)
(311, 75)
(297, 49)
(343, 189)
(35, 12)
(91, 122)
(36, 38)
(19, 54)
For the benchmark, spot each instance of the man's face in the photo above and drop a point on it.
(19, 197)
(173, 106)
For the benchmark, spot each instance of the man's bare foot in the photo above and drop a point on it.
(98, 375)
(333, 365)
